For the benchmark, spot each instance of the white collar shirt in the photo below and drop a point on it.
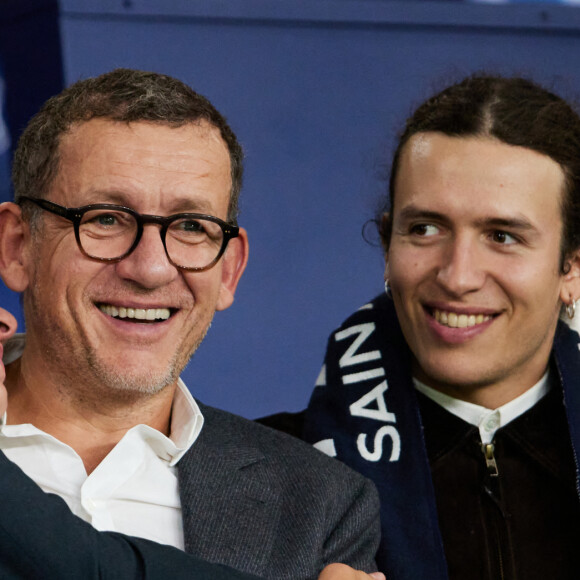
(488, 421)
(134, 490)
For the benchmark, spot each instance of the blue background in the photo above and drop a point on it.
(316, 90)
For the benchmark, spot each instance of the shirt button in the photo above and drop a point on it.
(93, 505)
(492, 423)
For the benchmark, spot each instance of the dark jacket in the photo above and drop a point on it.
(366, 411)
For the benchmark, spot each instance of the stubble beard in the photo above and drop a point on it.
(143, 381)
(84, 376)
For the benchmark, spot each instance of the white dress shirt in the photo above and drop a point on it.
(488, 421)
(134, 490)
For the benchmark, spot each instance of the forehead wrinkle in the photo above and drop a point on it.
(180, 162)
(146, 153)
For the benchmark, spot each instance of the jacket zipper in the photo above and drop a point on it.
(490, 462)
(492, 489)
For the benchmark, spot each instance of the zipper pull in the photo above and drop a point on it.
(490, 462)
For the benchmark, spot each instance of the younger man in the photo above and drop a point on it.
(458, 392)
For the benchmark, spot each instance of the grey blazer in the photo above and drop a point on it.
(266, 503)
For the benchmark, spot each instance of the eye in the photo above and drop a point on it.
(424, 230)
(503, 238)
(106, 219)
(190, 226)
(193, 230)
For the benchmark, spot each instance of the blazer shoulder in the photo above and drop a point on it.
(307, 509)
(281, 452)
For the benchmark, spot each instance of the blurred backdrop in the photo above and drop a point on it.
(316, 91)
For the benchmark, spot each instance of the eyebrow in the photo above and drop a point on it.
(515, 223)
(412, 212)
(518, 222)
(180, 205)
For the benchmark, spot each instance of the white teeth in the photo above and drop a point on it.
(136, 313)
(454, 320)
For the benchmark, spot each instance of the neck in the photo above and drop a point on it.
(489, 395)
(91, 421)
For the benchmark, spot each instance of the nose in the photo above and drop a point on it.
(148, 264)
(462, 268)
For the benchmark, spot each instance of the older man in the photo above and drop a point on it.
(41, 538)
(123, 241)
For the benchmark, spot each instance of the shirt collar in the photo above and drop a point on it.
(186, 421)
(488, 421)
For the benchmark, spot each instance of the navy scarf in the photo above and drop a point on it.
(364, 411)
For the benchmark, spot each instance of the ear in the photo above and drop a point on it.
(234, 264)
(385, 232)
(14, 238)
(570, 289)
(385, 229)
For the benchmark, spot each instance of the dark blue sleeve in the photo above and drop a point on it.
(41, 539)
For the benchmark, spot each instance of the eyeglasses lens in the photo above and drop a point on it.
(189, 242)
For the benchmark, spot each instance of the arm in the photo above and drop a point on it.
(41, 538)
(356, 533)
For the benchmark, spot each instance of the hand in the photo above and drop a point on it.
(344, 572)
(7, 329)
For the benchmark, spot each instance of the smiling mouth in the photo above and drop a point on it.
(458, 320)
(136, 314)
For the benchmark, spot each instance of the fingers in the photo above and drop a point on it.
(7, 329)
(344, 572)
(7, 325)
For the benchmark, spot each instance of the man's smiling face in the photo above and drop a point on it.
(474, 263)
(72, 303)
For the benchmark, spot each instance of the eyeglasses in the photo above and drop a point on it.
(109, 233)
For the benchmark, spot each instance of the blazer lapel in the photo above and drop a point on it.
(230, 507)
